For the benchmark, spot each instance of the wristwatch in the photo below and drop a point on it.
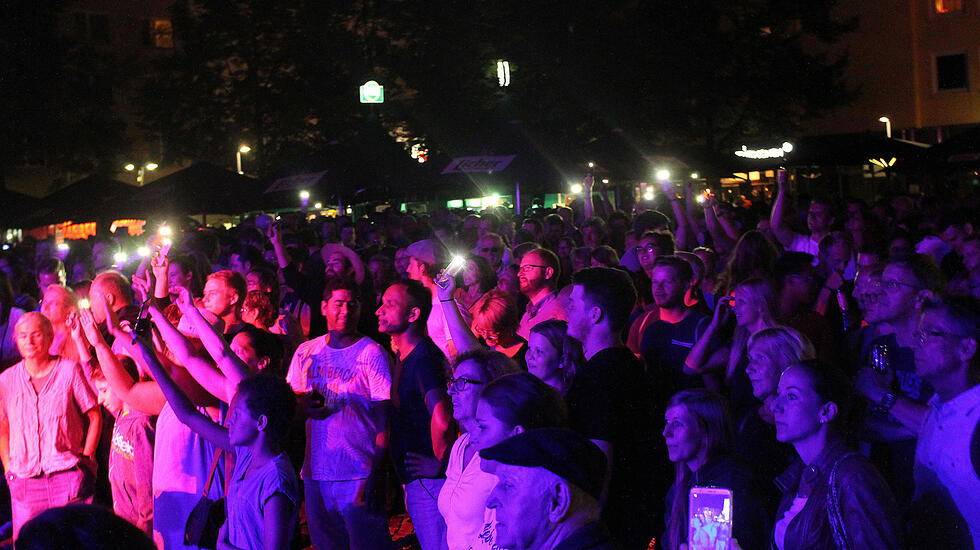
(886, 403)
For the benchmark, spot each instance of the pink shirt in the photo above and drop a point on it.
(47, 429)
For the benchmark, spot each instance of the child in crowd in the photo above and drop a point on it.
(263, 493)
(130, 456)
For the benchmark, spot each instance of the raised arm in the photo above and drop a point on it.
(684, 232)
(462, 336)
(231, 366)
(701, 359)
(717, 232)
(588, 205)
(182, 406)
(203, 372)
(777, 220)
(145, 397)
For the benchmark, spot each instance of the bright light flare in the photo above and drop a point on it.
(695, 175)
(129, 167)
(151, 166)
(165, 231)
(143, 251)
(63, 247)
(701, 198)
(456, 265)
(120, 258)
(576, 188)
(663, 175)
(83, 303)
(244, 149)
(318, 205)
(304, 195)
(648, 194)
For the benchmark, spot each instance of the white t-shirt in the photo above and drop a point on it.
(352, 380)
(437, 327)
(463, 498)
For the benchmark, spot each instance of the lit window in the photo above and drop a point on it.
(948, 6)
(951, 72)
(158, 33)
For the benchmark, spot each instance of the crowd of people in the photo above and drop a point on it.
(563, 378)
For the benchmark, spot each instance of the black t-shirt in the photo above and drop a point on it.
(423, 370)
(665, 347)
(613, 400)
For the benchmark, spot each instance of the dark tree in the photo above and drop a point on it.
(283, 75)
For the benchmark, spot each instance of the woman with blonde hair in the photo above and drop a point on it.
(754, 306)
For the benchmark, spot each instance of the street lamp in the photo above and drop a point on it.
(238, 156)
(145, 167)
(888, 125)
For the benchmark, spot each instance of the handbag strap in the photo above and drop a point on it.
(833, 505)
(214, 466)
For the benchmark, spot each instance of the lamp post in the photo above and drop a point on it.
(888, 125)
(238, 156)
(141, 172)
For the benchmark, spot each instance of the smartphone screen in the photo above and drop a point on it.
(709, 524)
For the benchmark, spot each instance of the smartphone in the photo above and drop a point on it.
(84, 304)
(142, 326)
(709, 523)
(453, 269)
(880, 360)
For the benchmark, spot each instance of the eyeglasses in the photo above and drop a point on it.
(892, 285)
(459, 384)
(650, 249)
(486, 333)
(933, 334)
(527, 267)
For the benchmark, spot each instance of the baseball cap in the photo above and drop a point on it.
(563, 452)
(427, 251)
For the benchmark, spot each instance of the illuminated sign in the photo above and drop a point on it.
(372, 92)
(464, 165)
(774, 153)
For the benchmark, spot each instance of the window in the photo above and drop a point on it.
(951, 72)
(948, 6)
(158, 33)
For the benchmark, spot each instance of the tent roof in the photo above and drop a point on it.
(92, 198)
(201, 188)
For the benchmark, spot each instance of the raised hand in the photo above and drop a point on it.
(183, 298)
(88, 325)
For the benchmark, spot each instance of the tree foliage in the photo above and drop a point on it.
(283, 75)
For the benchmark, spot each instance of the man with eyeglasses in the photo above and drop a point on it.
(945, 511)
(538, 277)
(421, 422)
(896, 394)
(343, 380)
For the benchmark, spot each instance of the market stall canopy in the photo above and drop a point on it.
(962, 148)
(853, 150)
(201, 188)
(92, 198)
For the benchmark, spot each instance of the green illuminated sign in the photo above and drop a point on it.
(372, 92)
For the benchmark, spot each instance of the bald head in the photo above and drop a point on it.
(109, 290)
